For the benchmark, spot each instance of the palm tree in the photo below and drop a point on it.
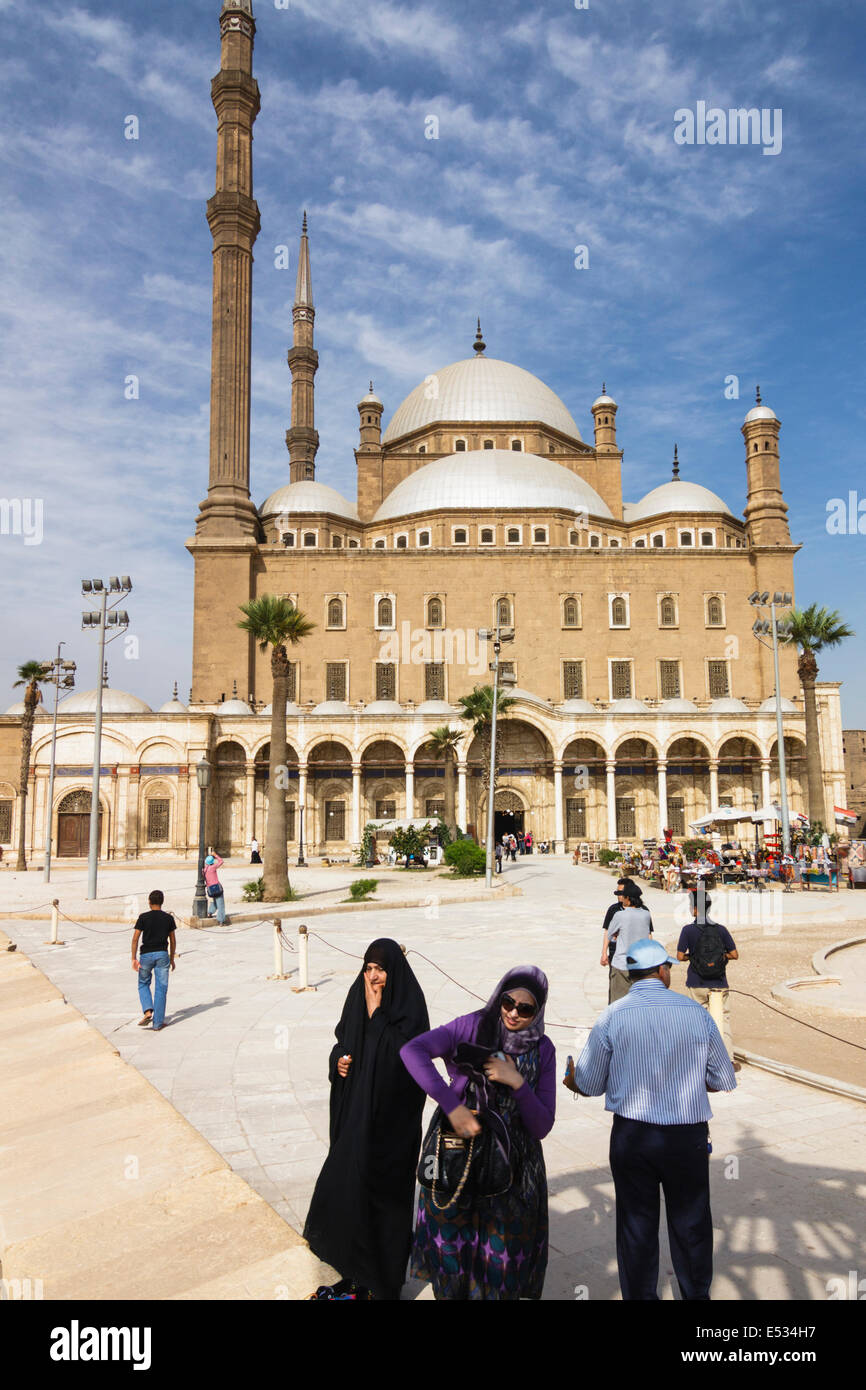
(812, 629)
(445, 741)
(273, 622)
(30, 674)
(477, 708)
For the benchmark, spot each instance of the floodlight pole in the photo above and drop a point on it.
(780, 739)
(93, 848)
(488, 865)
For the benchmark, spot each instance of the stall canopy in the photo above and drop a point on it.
(721, 816)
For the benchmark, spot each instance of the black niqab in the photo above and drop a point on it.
(360, 1218)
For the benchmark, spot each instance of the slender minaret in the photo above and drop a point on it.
(766, 511)
(302, 439)
(233, 217)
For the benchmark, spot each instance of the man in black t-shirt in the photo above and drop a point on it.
(154, 932)
(717, 942)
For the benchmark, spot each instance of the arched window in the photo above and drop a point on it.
(517, 445)
(668, 612)
(714, 612)
(379, 545)
(658, 542)
(595, 542)
(309, 538)
(573, 538)
(486, 535)
(488, 443)
(434, 612)
(385, 613)
(539, 535)
(618, 612)
(503, 612)
(571, 613)
(337, 542)
(423, 537)
(422, 448)
(512, 535)
(402, 542)
(335, 612)
(613, 542)
(461, 535)
(766, 443)
(460, 446)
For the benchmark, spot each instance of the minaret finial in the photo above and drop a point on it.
(757, 395)
(676, 465)
(174, 692)
(304, 224)
(304, 283)
(479, 345)
(105, 676)
(371, 388)
(604, 388)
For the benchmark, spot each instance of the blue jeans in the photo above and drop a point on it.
(217, 905)
(153, 963)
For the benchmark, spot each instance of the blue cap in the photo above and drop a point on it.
(646, 954)
(210, 859)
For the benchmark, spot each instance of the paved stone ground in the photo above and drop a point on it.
(245, 1061)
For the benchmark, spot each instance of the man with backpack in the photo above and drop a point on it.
(708, 946)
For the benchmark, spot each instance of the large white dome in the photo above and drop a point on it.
(675, 496)
(492, 479)
(484, 389)
(113, 702)
(298, 499)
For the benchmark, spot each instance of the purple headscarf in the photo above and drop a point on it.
(493, 1029)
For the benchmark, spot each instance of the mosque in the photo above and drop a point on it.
(642, 698)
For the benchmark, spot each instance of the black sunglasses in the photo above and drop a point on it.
(523, 1010)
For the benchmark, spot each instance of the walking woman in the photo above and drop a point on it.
(216, 898)
(497, 1248)
(360, 1218)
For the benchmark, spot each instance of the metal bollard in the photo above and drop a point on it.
(715, 1006)
(55, 940)
(303, 986)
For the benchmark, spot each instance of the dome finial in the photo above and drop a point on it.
(234, 690)
(676, 465)
(174, 692)
(479, 345)
(757, 395)
(371, 388)
(304, 224)
(604, 388)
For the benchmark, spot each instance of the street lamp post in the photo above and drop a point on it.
(499, 635)
(761, 628)
(755, 801)
(62, 674)
(203, 775)
(302, 863)
(105, 616)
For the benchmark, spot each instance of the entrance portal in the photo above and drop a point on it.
(506, 823)
(73, 826)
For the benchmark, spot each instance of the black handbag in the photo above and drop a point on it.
(456, 1171)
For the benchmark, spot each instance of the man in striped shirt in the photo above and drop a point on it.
(655, 1055)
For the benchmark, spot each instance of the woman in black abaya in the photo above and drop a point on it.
(360, 1218)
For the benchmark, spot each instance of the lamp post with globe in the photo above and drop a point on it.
(203, 773)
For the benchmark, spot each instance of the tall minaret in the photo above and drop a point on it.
(302, 439)
(233, 217)
(766, 511)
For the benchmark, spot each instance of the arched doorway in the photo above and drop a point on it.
(508, 814)
(73, 825)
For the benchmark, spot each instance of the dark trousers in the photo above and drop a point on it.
(644, 1157)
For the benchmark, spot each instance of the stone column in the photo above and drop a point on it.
(766, 793)
(250, 802)
(132, 812)
(355, 836)
(558, 818)
(610, 768)
(410, 790)
(714, 784)
(662, 772)
(461, 795)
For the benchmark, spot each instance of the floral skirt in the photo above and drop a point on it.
(495, 1250)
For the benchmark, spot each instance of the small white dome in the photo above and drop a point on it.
(434, 707)
(234, 707)
(292, 710)
(727, 704)
(769, 706)
(629, 707)
(482, 389)
(41, 712)
(517, 693)
(331, 707)
(113, 702)
(304, 499)
(173, 707)
(760, 412)
(604, 400)
(675, 496)
(492, 480)
(371, 398)
(678, 706)
(382, 707)
(576, 706)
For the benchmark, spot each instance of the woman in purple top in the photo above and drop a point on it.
(497, 1248)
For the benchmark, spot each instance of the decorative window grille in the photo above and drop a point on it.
(503, 612)
(386, 810)
(625, 818)
(434, 680)
(571, 613)
(715, 616)
(668, 612)
(385, 613)
(620, 680)
(434, 612)
(618, 612)
(158, 812)
(335, 612)
(335, 680)
(575, 817)
(335, 820)
(676, 815)
(434, 807)
(717, 679)
(5, 822)
(669, 679)
(386, 680)
(572, 680)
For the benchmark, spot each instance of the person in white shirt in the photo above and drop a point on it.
(632, 924)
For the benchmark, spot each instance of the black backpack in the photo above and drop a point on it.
(709, 955)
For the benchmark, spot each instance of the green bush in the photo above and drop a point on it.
(693, 849)
(253, 892)
(362, 888)
(609, 856)
(465, 858)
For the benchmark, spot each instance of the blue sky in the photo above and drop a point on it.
(555, 130)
